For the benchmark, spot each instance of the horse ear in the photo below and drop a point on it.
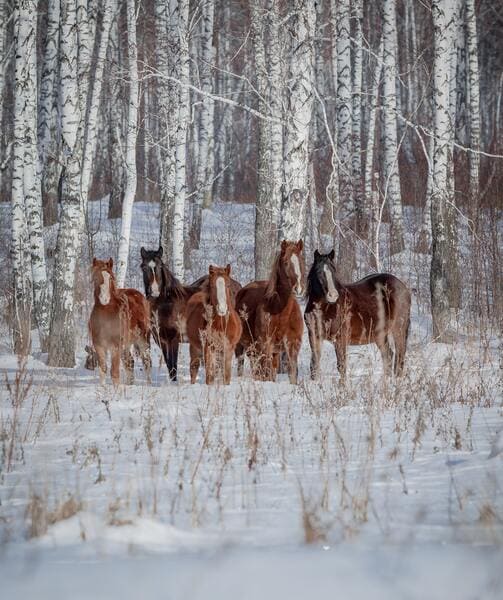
(211, 269)
(316, 254)
(94, 261)
(300, 245)
(283, 246)
(228, 269)
(143, 252)
(331, 254)
(88, 349)
(110, 263)
(160, 251)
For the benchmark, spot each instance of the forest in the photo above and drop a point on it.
(291, 211)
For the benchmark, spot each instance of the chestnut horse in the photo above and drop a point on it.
(120, 318)
(375, 309)
(272, 319)
(168, 300)
(213, 326)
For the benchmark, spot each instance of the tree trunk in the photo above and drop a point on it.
(299, 111)
(130, 151)
(356, 166)
(474, 99)
(62, 338)
(391, 173)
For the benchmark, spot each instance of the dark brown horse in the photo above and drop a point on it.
(168, 299)
(120, 318)
(375, 309)
(213, 326)
(272, 319)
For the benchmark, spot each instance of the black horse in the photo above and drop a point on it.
(375, 309)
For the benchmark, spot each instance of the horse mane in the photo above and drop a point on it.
(171, 285)
(313, 287)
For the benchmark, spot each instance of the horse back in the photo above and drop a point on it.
(138, 309)
(248, 299)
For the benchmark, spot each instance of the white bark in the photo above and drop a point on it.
(62, 338)
(205, 130)
(180, 15)
(130, 150)
(357, 111)
(31, 180)
(391, 173)
(299, 111)
(109, 13)
(474, 97)
(442, 158)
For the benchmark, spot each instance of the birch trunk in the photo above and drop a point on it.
(391, 150)
(180, 14)
(62, 338)
(474, 98)
(356, 166)
(203, 182)
(442, 157)
(298, 115)
(48, 136)
(130, 150)
(31, 180)
(20, 259)
(90, 143)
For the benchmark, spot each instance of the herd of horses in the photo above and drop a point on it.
(261, 320)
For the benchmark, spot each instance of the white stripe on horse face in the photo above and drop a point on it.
(296, 267)
(221, 297)
(154, 286)
(332, 293)
(105, 288)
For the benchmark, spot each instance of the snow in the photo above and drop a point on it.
(179, 491)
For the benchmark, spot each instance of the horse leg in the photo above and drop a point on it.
(102, 363)
(209, 363)
(143, 349)
(340, 353)
(292, 351)
(239, 352)
(195, 361)
(227, 363)
(400, 339)
(315, 341)
(115, 368)
(386, 354)
(171, 357)
(128, 360)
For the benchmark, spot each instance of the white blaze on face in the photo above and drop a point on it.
(332, 293)
(154, 286)
(105, 288)
(296, 267)
(221, 297)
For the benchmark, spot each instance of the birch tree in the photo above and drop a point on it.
(391, 174)
(180, 16)
(48, 135)
(3, 66)
(130, 151)
(62, 338)
(441, 192)
(299, 102)
(356, 163)
(204, 171)
(474, 97)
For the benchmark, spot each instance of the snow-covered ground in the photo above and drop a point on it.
(256, 490)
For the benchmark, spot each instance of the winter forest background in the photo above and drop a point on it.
(217, 128)
(332, 118)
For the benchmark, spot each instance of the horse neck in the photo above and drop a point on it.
(280, 293)
(170, 286)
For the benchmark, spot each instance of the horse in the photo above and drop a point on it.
(213, 326)
(375, 309)
(168, 300)
(272, 319)
(120, 318)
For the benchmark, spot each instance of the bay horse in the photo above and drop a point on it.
(272, 319)
(168, 299)
(213, 326)
(120, 319)
(375, 309)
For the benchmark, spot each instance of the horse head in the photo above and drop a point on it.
(152, 267)
(322, 276)
(103, 279)
(219, 289)
(291, 261)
